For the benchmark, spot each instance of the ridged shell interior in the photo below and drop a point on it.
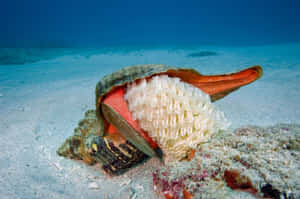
(177, 115)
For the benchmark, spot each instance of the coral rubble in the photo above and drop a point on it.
(250, 162)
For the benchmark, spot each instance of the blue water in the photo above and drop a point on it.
(53, 53)
(92, 23)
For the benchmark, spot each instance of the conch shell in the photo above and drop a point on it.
(120, 133)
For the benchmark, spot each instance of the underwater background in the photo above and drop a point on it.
(52, 54)
(138, 23)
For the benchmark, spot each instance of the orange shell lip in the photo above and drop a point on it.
(217, 86)
(117, 102)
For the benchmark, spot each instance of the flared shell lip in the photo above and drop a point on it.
(134, 73)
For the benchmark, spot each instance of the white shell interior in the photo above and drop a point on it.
(177, 115)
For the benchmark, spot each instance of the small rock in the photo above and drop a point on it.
(93, 185)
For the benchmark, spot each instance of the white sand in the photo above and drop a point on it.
(42, 102)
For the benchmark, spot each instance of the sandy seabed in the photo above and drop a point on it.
(42, 102)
